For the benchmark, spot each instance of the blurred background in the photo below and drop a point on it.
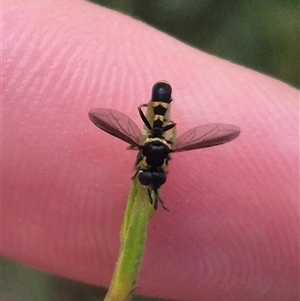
(261, 35)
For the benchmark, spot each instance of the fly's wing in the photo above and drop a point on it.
(205, 136)
(116, 124)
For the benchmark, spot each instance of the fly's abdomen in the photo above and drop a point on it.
(161, 99)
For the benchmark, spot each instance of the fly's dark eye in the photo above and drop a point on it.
(145, 178)
(152, 179)
(159, 178)
(153, 156)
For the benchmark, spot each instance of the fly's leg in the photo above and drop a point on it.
(158, 199)
(145, 120)
(135, 174)
(138, 159)
(150, 197)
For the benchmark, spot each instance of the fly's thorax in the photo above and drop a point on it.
(157, 141)
(151, 165)
(155, 153)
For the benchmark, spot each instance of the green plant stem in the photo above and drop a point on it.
(133, 238)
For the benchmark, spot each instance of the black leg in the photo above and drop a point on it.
(138, 159)
(150, 197)
(168, 126)
(158, 199)
(135, 174)
(145, 120)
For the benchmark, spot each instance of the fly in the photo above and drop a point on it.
(154, 151)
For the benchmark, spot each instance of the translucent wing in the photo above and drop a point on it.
(205, 136)
(116, 124)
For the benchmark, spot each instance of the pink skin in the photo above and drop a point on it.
(232, 229)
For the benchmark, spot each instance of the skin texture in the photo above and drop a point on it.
(232, 230)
